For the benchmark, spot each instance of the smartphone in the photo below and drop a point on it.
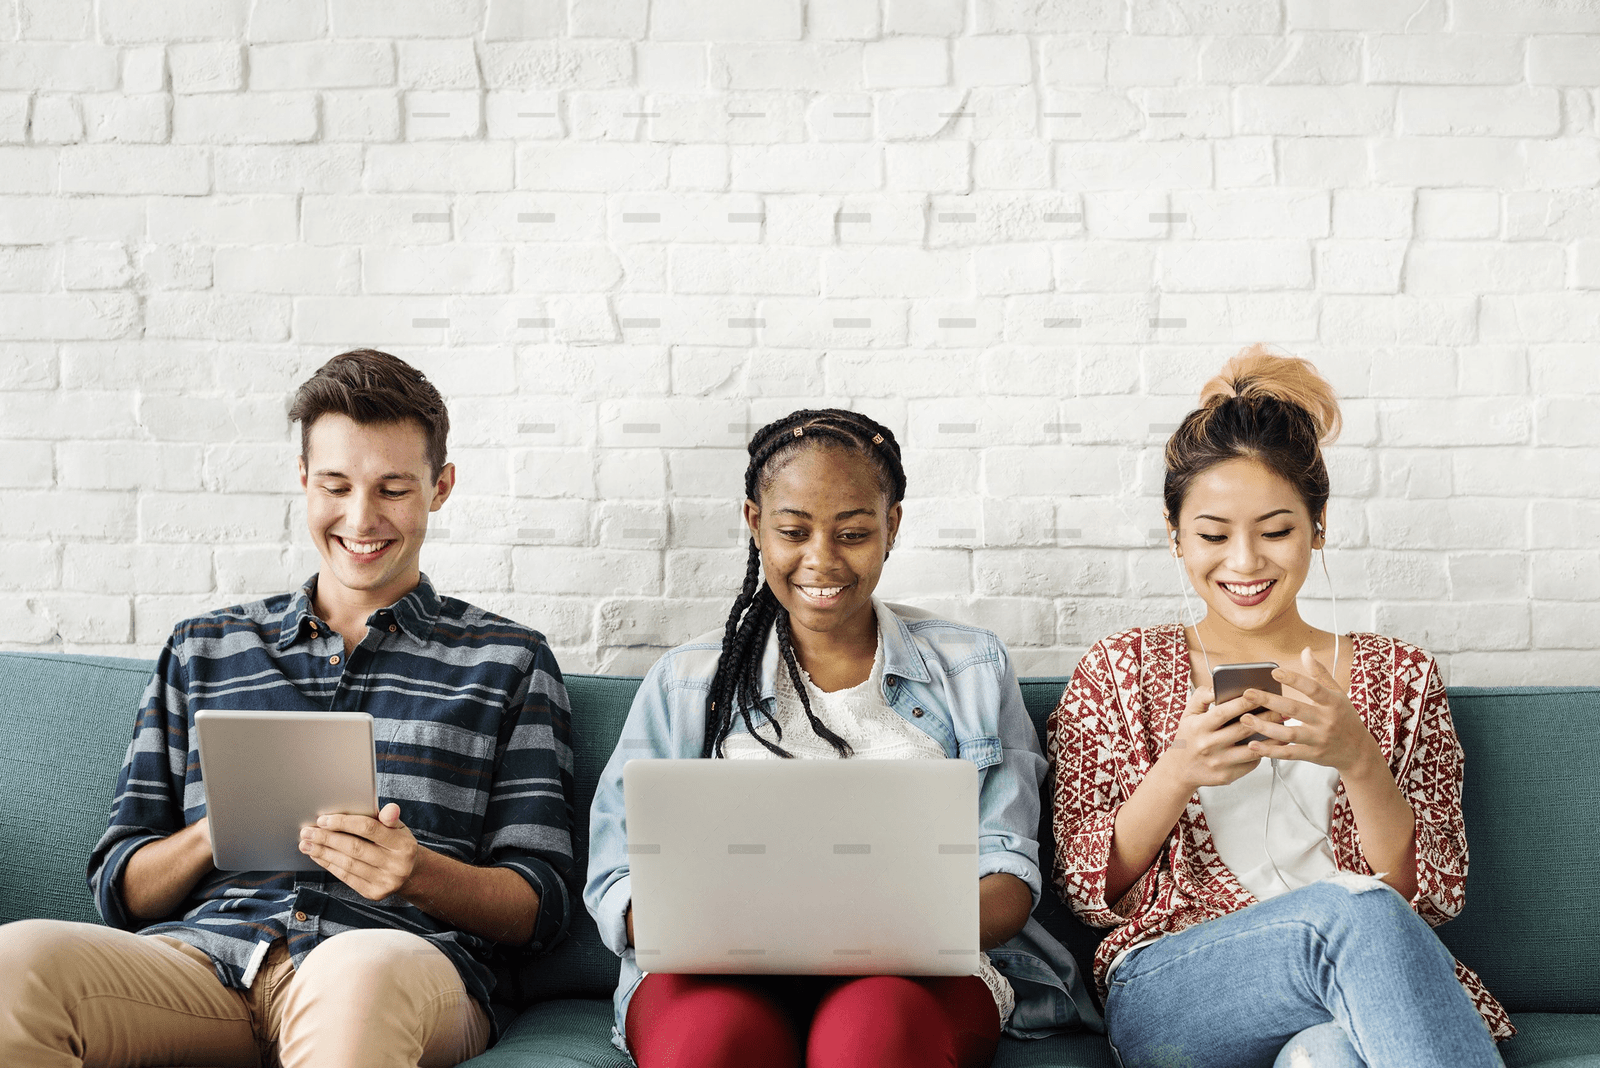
(1229, 681)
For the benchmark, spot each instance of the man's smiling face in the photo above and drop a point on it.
(369, 490)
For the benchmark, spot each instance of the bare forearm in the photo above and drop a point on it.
(1004, 902)
(492, 903)
(1142, 825)
(1385, 822)
(160, 875)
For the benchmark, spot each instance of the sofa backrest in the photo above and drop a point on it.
(1530, 928)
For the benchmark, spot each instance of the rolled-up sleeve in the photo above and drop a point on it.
(148, 805)
(528, 820)
(1008, 792)
(1428, 765)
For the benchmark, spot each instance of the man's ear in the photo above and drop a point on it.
(442, 486)
(300, 463)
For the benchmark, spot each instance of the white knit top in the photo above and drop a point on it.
(874, 731)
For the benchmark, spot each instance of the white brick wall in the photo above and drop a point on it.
(619, 233)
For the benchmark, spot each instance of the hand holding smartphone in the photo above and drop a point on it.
(1230, 681)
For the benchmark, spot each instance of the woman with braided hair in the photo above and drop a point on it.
(811, 665)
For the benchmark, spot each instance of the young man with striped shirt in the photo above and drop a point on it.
(384, 954)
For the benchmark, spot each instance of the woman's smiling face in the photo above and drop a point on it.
(1246, 538)
(824, 524)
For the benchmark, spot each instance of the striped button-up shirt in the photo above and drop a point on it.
(471, 724)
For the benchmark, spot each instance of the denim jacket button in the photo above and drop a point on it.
(889, 680)
(917, 712)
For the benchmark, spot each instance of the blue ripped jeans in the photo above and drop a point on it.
(1327, 976)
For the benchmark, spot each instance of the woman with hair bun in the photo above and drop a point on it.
(810, 664)
(1271, 865)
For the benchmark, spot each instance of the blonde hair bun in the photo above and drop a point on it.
(1255, 372)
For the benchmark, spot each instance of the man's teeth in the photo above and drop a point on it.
(1246, 591)
(822, 591)
(362, 548)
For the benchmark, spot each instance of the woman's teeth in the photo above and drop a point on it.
(1244, 590)
(822, 592)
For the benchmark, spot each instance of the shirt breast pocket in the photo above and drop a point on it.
(983, 751)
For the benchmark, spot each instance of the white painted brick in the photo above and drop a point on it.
(1564, 524)
(253, 468)
(406, 18)
(1453, 59)
(914, 114)
(1151, 165)
(128, 569)
(1457, 213)
(814, 66)
(1368, 16)
(1419, 161)
(795, 323)
(26, 465)
(206, 67)
(435, 64)
(1585, 272)
(1566, 421)
(808, 168)
(685, 217)
(223, 220)
(1323, 162)
(736, 20)
(1314, 110)
(657, 319)
(1360, 266)
(1011, 165)
(288, 169)
(340, 220)
(432, 269)
(1470, 111)
(287, 20)
(1537, 16)
(1185, 16)
(723, 372)
(92, 266)
(68, 316)
(132, 21)
(113, 117)
(567, 268)
(70, 68)
(1001, 113)
(589, 64)
(1221, 266)
(138, 365)
(194, 517)
(1152, 60)
(176, 266)
(702, 167)
(608, 18)
(54, 20)
(522, 115)
(366, 116)
(1459, 267)
(447, 115)
(1558, 216)
(955, 323)
(587, 571)
(32, 566)
(1461, 523)
(64, 515)
(1101, 266)
(1448, 628)
(874, 374)
(27, 365)
(1540, 316)
(1065, 471)
(56, 120)
(1091, 115)
(474, 168)
(596, 167)
(1372, 213)
(1563, 60)
(205, 315)
(529, 217)
(81, 617)
(1254, 213)
(14, 108)
(27, 170)
(515, 20)
(1404, 318)
(250, 572)
(245, 118)
(590, 372)
(1565, 163)
(1005, 59)
(1005, 269)
(906, 62)
(321, 65)
(1189, 112)
(1562, 575)
(802, 219)
(670, 66)
(745, 269)
(1300, 59)
(155, 615)
(890, 272)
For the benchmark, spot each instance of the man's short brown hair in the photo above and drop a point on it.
(373, 387)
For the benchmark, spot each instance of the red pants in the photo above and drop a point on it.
(875, 1021)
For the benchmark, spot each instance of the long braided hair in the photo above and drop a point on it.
(756, 611)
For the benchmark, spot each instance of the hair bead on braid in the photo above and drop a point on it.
(736, 686)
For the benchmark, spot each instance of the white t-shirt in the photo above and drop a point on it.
(874, 731)
(1270, 826)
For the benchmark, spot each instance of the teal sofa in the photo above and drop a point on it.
(1531, 927)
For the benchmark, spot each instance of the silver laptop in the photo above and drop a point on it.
(267, 774)
(806, 867)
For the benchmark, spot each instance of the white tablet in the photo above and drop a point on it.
(268, 774)
(806, 867)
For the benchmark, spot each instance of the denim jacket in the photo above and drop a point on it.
(961, 681)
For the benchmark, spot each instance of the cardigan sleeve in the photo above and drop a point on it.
(1082, 736)
(1428, 766)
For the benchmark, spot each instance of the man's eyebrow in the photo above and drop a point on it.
(392, 476)
(1259, 518)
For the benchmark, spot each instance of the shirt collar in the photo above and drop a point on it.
(415, 613)
(900, 656)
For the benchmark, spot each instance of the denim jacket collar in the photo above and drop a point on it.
(900, 656)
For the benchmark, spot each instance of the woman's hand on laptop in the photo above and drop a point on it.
(373, 857)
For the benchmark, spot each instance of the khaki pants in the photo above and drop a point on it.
(76, 994)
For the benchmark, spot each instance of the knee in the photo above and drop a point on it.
(26, 948)
(356, 967)
(878, 1012)
(1323, 1046)
(1368, 911)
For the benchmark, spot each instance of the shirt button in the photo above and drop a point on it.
(917, 712)
(333, 660)
(393, 628)
(301, 917)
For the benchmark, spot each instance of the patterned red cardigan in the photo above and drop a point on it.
(1120, 712)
